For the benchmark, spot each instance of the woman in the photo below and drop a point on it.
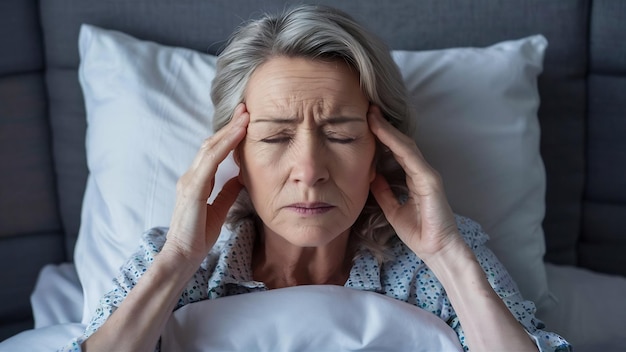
(329, 190)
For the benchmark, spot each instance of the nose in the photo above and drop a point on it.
(310, 162)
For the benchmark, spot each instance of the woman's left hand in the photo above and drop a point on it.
(425, 222)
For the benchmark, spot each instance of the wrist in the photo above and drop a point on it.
(180, 247)
(455, 263)
(172, 257)
(477, 305)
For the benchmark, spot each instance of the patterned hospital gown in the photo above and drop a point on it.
(227, 271)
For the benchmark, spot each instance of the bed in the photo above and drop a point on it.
(520, 108)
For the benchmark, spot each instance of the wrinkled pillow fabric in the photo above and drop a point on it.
(286, 320)
(149, 109)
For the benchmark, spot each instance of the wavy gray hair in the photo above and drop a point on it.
(319, 32)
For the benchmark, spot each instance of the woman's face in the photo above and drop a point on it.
(307, 159)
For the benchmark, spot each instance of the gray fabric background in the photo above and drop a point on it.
(31, 234)
(602, 243)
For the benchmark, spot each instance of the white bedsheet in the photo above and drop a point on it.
(45, 339)
(57, 302)
(58, 296)
(591, 310)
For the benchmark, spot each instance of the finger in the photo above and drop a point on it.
(404, 150)
(202, 172)
(401, 145)
(216, 212)
(224, 139)
(385, 197)
(384, 130)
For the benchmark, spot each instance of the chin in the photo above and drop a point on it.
(310, 237)
(310, 240)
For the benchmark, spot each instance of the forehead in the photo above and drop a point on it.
(289, 84)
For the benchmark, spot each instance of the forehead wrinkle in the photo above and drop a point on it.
(326, 111)
(331, 120)
(338, 120)
(293, 108)
(290, 95)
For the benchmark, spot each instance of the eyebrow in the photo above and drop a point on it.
(333, 120)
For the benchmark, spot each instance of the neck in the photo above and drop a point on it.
(278, 263)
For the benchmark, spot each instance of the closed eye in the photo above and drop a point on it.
(332, 137)
(337, 138)
(342, 140)
(276, 140)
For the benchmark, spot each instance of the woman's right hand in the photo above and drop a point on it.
(196, 225)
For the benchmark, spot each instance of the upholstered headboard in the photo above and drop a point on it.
(601, 240)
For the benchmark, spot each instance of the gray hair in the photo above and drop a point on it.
(319, 32)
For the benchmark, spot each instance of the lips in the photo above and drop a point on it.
(314, 208)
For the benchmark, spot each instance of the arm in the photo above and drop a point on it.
(138, 322)
(426, 224)
(487, 322)
(504, 286)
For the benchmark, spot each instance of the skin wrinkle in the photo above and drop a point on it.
(295, 152)
(294, 97)
(308, 141)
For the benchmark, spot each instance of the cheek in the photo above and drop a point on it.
(259, 165)
(259, 156)
(356, 165)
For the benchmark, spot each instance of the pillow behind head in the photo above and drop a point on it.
(149, 109)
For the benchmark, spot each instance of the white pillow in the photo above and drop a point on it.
(307, 318)
(148, 110)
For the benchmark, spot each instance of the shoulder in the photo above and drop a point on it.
(154, 239)
(136, 265)
(150, 245)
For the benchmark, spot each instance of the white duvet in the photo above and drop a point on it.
(303, 318)
(307, 318)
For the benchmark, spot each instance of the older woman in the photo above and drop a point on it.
(331, 191)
